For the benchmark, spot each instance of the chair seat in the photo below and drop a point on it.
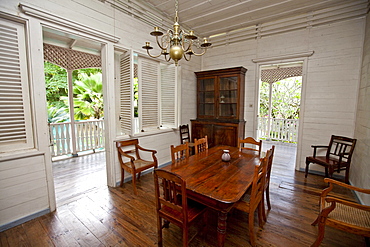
(349, 215)
(322, 160)
(141, 164)
(194, 210)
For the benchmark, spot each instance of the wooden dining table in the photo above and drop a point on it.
(215, 183)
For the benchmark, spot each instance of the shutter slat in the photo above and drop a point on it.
(168, 93)
(12, 118)
(126, 98)
(149, 94)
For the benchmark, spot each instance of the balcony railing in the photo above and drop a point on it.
(89, 135)
(284, 130)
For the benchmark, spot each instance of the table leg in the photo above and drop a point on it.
(221, 228)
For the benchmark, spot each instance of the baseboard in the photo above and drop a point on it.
(23, 220)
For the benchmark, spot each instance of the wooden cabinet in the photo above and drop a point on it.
(220, 106)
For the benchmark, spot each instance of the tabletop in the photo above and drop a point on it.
(209, 178)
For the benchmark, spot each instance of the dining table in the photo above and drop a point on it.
(216, 183)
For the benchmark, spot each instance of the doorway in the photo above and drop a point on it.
(280, 88)
(83, 133)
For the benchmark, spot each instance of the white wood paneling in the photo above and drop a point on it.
(332, 76)
(360, 172)
(23, 188)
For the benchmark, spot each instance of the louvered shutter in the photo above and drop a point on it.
(168, 95)
(15, 116)
(148, 93)
(126, 95)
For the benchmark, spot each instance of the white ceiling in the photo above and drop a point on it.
(226, 21)
(212, 17)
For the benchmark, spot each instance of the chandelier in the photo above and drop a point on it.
(177, 43)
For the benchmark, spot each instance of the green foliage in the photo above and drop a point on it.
(57, 115)
(286, 98)
(56, 85)
(88, 96)
(88, 93)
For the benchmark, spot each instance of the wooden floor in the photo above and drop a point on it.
(91, 214)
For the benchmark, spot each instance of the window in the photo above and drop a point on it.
(148, 95)
(15, 117)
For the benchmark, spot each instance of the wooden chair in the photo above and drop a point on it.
(267, 182)
(173, 206)
(135, 164)
(184, 133)
(179, 152)
(253, 198)
(342, 214)
(338, 156)
(201, 144)
(250, 143)
(185, 137)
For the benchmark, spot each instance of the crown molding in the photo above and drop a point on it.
(61, 21)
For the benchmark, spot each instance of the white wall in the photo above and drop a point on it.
(360, 169)
(332, 83)
(34, 173)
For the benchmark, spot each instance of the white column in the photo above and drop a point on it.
(270, 110)
(110, 116)
(71, 112)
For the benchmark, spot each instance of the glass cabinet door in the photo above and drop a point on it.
(228, 96)
(206, 97)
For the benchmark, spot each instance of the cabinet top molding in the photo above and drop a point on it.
(221, 71)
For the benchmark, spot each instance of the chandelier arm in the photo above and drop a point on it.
(165, 58)
(160, 46)
(187, 59)
(147, 50)
(189, 46)
(200, 54)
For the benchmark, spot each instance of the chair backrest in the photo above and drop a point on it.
(259, 179)
(250, 143)
(184, 133)
(269, 164)
(341, 145)
(170, 191)
(201, 144)
(179, 152)
(128, 147)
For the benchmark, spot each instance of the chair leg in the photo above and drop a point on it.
(159, 231)
(185, 236)
(367, 241)
(307, 164)
(134, 183)
(347, 175)
(252, 237)
(321, 231)
(263, 208)
(122, 177)
(205, 219)
(268, 197)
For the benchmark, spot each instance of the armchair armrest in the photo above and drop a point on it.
(347, 203)
(145, 149)
(351, 187)
(315, 147)
(149, 150)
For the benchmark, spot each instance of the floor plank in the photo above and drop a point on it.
(91, 214)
